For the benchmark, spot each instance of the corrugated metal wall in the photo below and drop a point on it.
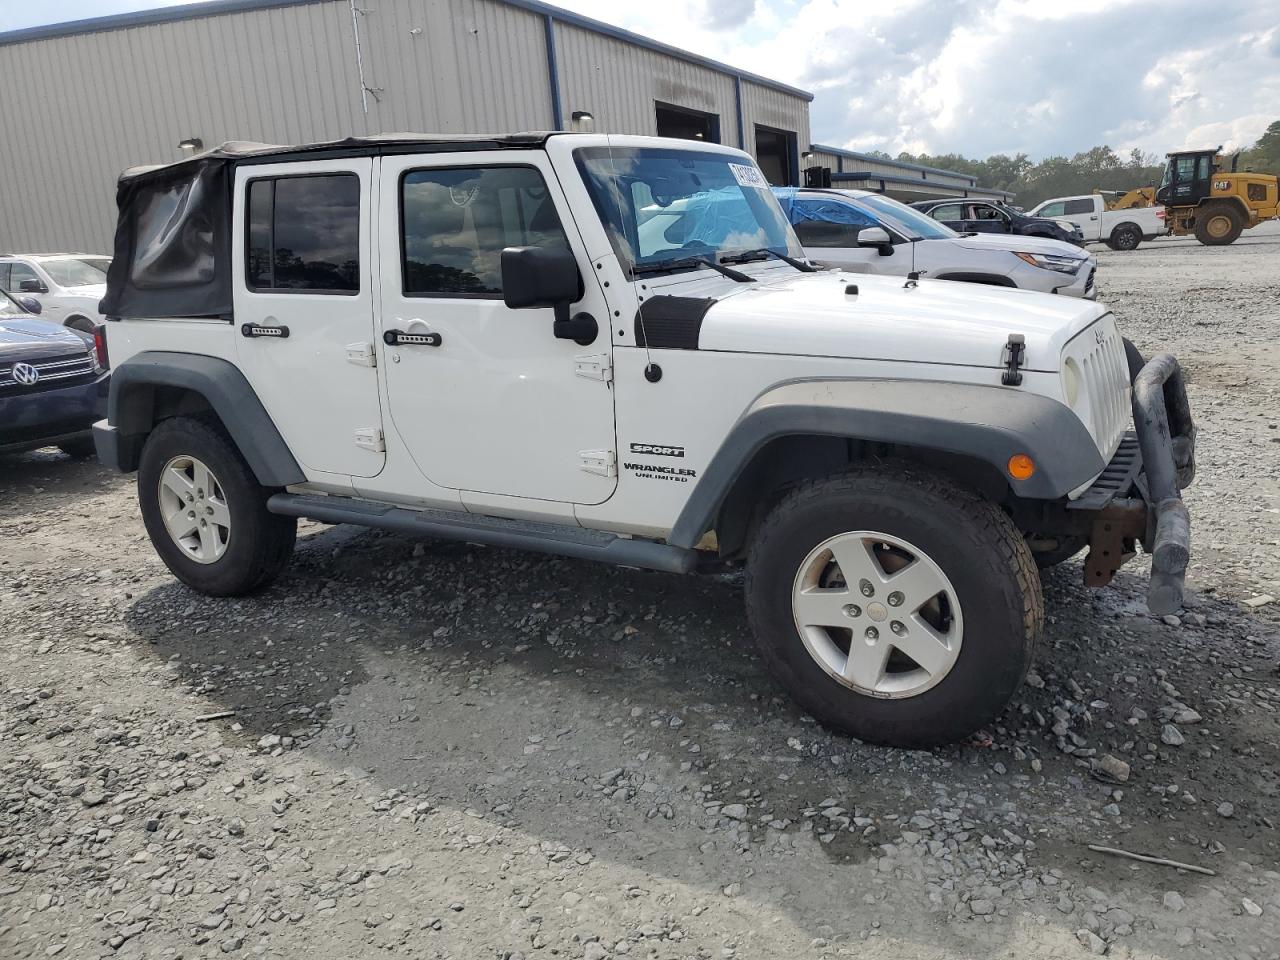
(78, 109)
(618, 83)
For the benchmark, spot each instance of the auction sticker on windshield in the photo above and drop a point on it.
(748, 176)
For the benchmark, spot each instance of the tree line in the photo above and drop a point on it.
(1100, 168)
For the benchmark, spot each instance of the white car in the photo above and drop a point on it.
(1118, 229)
(475, 339)
(867, 232)
(68, 286)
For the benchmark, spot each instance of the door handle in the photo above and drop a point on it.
(398, 338)
(264, 330)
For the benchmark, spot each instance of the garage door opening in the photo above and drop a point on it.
(687, 124)
(776, 155)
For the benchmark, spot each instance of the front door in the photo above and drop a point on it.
(25, 282)
(304, 294)
(486, 398)
(828, 229)
(984, 218)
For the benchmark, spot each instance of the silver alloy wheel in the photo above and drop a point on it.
(877, 614)
(194, 508)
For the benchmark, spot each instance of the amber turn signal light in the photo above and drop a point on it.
(1021, 467)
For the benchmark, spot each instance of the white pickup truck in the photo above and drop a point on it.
(1118, 229)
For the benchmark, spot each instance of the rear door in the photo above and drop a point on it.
(1084, 213)
(952, 214)
(486, 398)
(304, 298)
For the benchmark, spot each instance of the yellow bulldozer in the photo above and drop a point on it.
(1202, 197)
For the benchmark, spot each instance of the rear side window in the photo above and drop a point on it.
(1079, 206)
(303, 234)
(948, 212)
(456, 221)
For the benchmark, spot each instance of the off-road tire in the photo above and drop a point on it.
(1126, 236)
(1208, 214)
(260, 543)
(976, 545)
(81, 448)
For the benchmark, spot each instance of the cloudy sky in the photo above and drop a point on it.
(967, 76)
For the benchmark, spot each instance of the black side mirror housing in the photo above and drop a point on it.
(32, 286)
(538, 277)
(30, 304)
(541, 277)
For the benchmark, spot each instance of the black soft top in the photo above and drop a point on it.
(173, 229)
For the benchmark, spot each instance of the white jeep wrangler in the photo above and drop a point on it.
(483, 339)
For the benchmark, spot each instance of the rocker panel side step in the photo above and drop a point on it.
(565, 541)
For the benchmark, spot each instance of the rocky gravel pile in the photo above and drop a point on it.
(438, 750)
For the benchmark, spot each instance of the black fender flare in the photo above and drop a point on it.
(132, 412)
(989, 424)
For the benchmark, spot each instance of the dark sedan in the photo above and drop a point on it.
(986, 216)
(53, 382)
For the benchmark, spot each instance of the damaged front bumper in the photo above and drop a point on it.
(1137, 498)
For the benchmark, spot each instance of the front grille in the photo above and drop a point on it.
(54, 372)
(1105, 373)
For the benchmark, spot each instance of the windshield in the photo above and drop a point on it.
(904, 219)
(661, 205)
(9, 307)
(80, 272)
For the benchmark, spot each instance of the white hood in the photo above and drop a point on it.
(935, 321)
(1015, 244)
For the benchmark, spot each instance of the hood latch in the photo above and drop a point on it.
(1014, 356)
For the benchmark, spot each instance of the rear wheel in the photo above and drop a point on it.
(205, 512)
(1218, 225)
(1126, 236)
(78, 322)
(894, 605)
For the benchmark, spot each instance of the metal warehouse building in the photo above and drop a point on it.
(902, 181)
(83, 101)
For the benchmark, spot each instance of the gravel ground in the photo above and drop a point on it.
(438, 750)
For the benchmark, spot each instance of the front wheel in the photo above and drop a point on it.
(1219, 225)
(205, 512)
(894, 605)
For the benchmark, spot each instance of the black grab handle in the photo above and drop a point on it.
(398, 338)
(258, 330)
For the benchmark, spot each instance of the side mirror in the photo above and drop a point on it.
(539, 277)
(32, 285)
(30, 304)
(876, 237)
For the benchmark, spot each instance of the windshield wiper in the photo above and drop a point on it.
(764, 253)
(680, 263)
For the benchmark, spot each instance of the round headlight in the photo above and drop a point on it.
(1071, 382)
